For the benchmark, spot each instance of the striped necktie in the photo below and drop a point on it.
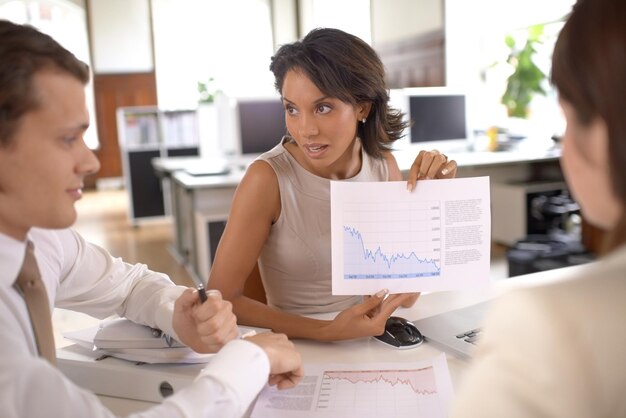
(31, 287)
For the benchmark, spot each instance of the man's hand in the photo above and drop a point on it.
(285, 362)
(205, 327)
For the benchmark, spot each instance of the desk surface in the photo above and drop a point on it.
(368, 350)
(188, 181)
(405, 157)
(176, 166)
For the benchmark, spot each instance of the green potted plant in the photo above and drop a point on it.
(207, 117)
(527, 78)
(206, 91)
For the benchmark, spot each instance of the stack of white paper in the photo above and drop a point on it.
(127, 340)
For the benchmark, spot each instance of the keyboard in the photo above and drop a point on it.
(470, 336)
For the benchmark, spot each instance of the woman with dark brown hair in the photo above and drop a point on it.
(559, 350)
(340, 127)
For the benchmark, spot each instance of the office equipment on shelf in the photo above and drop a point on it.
(456, 331)
(147, 132)
(541, 252)
(438, 115)
(261, 124)
(515, 214)
(249, 126)
(554, 236)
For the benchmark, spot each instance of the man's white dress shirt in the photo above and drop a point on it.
(84, 277)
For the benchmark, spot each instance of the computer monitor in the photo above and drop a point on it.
(259, 124)
(439, 118)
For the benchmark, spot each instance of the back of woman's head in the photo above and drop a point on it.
(589, 72)
(24, 51)
(343, 66)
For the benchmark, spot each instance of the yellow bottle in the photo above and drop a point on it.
(492, 134)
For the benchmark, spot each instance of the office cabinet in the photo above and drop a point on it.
(147, 132)
(209, 229)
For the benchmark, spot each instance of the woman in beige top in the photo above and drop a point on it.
(560, 350)
(339, 128)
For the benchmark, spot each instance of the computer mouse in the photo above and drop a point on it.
(400, 333)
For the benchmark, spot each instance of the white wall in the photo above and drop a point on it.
(352, 16)
(230, 41)
(121, 38)
(394, 20)
(285, 28)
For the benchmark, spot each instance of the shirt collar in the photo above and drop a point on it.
(11, 258)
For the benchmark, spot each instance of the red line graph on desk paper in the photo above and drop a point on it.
(372, 393)
(421, 381)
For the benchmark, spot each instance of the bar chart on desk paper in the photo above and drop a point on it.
(407, 244)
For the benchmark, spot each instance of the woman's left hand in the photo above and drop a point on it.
(430, 165)
(410, 301)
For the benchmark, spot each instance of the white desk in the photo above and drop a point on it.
(200, 200)
(164, 168)
(469, 159)
(368, 350)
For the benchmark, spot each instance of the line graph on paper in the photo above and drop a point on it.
(363, 390)
(391, 240)
(398, 393)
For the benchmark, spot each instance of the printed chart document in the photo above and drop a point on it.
(400, 390)
(436, 237)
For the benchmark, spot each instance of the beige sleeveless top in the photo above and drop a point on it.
(295, 262)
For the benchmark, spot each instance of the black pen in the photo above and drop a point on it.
(202, 293)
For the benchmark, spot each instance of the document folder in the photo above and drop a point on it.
(124, 379)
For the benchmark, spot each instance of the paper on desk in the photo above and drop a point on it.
(436, 237)
(127, 340)
(401, 390)
(122, 333)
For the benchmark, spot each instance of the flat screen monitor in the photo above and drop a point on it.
(261, 124)
(437, 114)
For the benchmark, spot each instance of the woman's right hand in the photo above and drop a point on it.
(366, 319)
